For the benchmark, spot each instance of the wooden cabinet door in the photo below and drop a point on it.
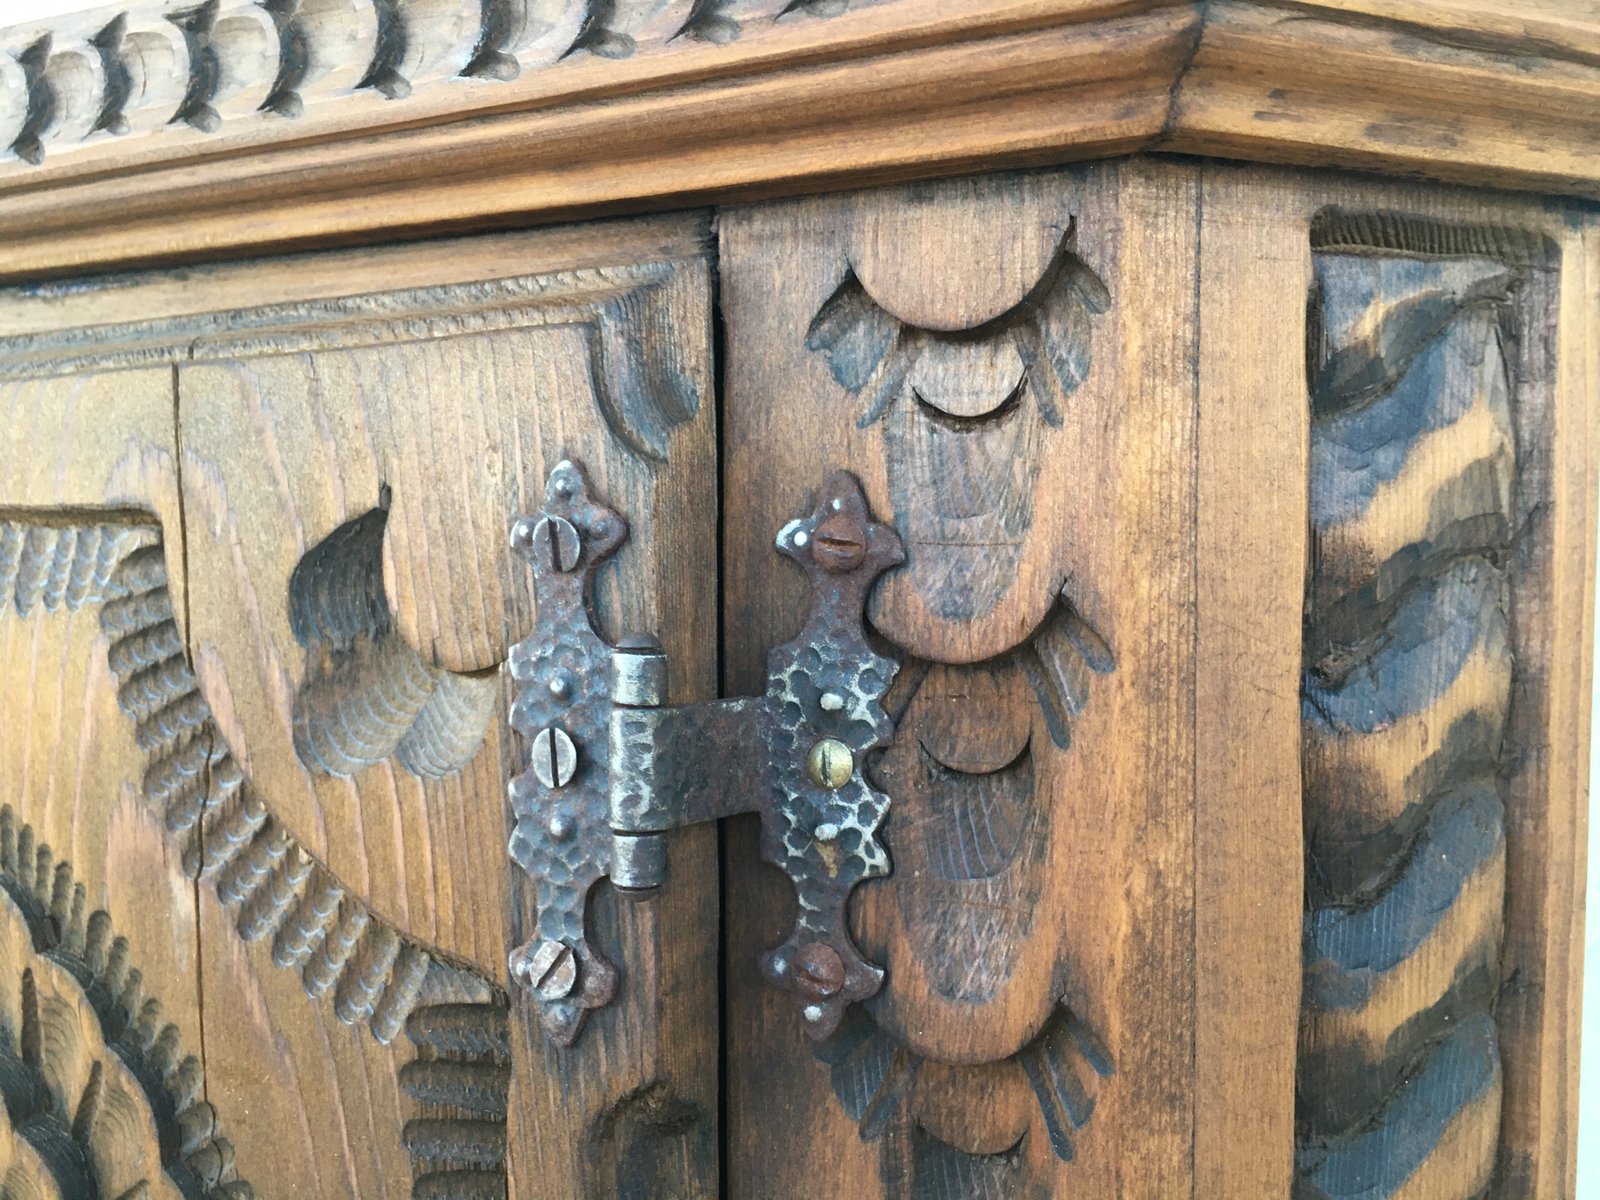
(263, 511)
(1239, 700)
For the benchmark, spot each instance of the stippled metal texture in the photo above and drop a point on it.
(563, 677)
(795, 755)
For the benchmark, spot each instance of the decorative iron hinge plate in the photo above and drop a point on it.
(614, 767)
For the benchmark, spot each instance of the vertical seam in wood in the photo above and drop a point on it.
(718, 405)
(1200, 173)
(198, 833)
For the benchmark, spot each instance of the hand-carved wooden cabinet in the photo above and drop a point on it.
(774, 599)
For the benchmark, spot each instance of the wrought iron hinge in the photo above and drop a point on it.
(614, 767)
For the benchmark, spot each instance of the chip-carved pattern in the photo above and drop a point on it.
(345, 954)
(1407, 702)
(160, 68)
(81, 954)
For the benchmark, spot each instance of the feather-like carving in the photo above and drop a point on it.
(73, 999)
(642, 384)
(872, 353)
(874, 1081)
(364, 968)
(1409, 678)
(367, 695)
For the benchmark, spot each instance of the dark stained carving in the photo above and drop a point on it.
(367, 695)
(142, 66)
(460, 1077)
(968, 841)
(641, 382)
(969, 835)
(966, 416)
(55, 567)
(875, 1081)
(1408, 686)
(76, 1132)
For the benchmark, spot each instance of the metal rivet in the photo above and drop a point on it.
(830, 764)
(561, 685)
(554, 757)
(560, 827)
(825, 832)
(800, 538)
(831, 702)
(812, 1013)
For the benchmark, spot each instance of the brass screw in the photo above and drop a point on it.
(830, 764)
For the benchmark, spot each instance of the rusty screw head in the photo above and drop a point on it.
(839, 544)
(818, 970)
(555, 544)
(551, 970)
(554, 757)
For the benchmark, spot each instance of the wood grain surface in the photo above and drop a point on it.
(982, 355)
(1250, 555)
(318, 723)
(1191, 897)
(156, 129)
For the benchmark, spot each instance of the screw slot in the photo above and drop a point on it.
(830, 764)
(554, 757)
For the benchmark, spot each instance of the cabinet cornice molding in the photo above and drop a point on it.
(163, 131)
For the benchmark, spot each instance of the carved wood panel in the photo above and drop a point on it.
(1240, 696)
(313, 729)
(984, 355)
(1435, 507)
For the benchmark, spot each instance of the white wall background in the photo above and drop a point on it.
(18, 11)
(15, 12)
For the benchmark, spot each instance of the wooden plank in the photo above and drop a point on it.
(1249, 558)
(99, 974)
(316, 130)
(1549, 363)
(1026, 92)
(397, 438)
(1478, 97)
(1042, 480)
(1546, 836)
